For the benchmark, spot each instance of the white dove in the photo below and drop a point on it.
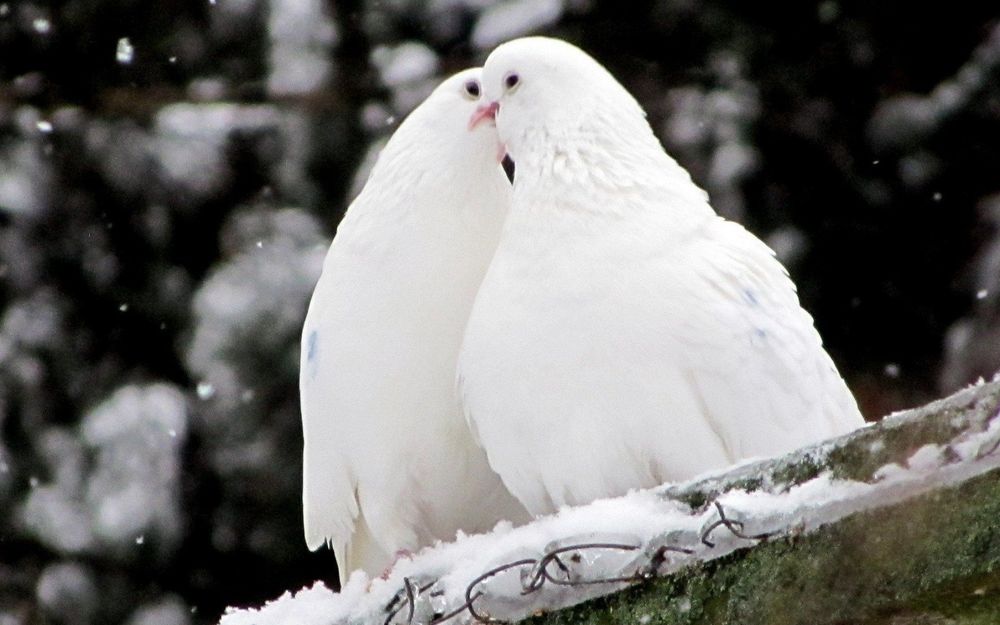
(389, 464)
(625, 335)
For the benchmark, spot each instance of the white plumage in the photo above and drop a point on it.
(389, 463)
(625, 335)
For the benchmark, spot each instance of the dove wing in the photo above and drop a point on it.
(329, 501)
(752, 354)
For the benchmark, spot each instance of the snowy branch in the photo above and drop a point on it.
(897, 517)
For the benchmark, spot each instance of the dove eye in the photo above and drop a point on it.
(511, 80)
(472, 89)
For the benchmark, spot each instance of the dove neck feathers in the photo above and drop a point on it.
(440, 151)
(420, 155)
(462, 194)
(607, 165)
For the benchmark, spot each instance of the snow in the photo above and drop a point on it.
(409, 70)
(453, 5)
(116, 477)
(446, 20)
(25, 174)
(927, 458)
(903, 121)
(405, 63)
(976, 446)
(731, 161)
(514, 18)
(643, 520)
(710, 131)
(302, 36)
(376, 117)
(970, 343)
(789, 244)
(205, 391)
(124, 51)
(169, 610)
(67, 593)
(247, 316)
(135, 487)
(189, 147)
(30, 323)
(207, 89)
(190, 140)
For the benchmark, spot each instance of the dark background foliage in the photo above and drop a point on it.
(165, 203)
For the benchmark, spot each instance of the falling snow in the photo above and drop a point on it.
(205, 391)
(124, 51)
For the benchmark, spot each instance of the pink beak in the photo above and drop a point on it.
(484, 112)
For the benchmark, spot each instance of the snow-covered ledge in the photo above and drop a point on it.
(897, 520)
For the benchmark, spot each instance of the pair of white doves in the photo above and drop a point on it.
(608, 331)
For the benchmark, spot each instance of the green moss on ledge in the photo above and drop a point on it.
(930, 560)
(934, 559)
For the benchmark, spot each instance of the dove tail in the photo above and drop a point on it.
(361, 552)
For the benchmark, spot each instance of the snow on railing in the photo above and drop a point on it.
(569, 564)
(584, 552)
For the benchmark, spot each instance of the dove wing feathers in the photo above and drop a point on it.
(754, 355)
(661, 354)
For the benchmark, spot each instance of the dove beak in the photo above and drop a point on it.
(484, 112)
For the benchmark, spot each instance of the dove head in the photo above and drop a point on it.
(444, 118)
(549, 97)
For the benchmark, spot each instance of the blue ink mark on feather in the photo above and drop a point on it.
(758, 336)
(750, 297)
(312, 351)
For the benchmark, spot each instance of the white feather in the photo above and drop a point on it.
(389, 463)
(625, 335)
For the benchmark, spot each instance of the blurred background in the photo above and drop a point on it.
(171, 173)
